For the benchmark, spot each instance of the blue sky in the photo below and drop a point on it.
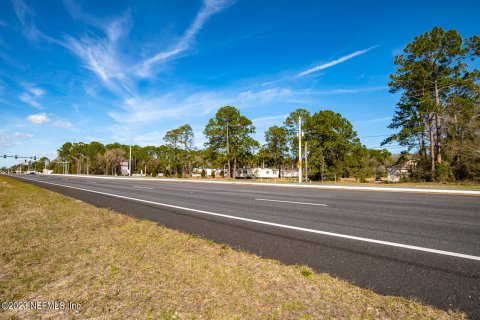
(129, 71)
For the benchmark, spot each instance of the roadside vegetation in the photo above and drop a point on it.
(55, 248)
(437, 122)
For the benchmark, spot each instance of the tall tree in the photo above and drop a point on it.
(428, 71)
(113, 159)
(334, 146)
(172, 138)
(276, 146)
(186, 140)
(181, 142)
(229, 133)
(291, 125)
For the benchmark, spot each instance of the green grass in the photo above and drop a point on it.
(55, 248)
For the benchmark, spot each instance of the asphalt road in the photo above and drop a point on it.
(406, 244)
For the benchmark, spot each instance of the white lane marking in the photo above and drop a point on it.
(307, 203)
(139, 187)
(338, 235)
(289, 185)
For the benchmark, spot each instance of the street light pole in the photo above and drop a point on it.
(299, 149)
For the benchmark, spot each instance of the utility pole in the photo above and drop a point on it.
(306, 161)
(299, 149)
(130, 162)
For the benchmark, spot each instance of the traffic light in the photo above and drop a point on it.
(16, 157)
(34, 158)
(25, 160)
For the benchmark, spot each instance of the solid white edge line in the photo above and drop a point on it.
(307, 203)
(353, 188)
(338, 235)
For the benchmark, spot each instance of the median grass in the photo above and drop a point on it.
(55, 248)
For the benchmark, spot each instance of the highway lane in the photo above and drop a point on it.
(442, 222)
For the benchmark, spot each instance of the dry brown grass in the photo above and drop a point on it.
(54, 248)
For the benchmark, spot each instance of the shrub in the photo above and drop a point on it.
(442, 172)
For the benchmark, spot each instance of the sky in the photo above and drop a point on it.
(129, 71)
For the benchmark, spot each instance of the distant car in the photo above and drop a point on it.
(31, 172)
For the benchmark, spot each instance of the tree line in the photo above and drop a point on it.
(333, 149)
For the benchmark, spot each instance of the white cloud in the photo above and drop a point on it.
(150, 138)
(346, 91)
(102, 55)
(7, 140)
(335, 62)
(36, 91)
(29, 99)
(141, 110)
(39, 118)
(22, 135)
(32, 95)
(264, 96)
(27, 19)
(209, 8)
(180, 104)
(62, 124)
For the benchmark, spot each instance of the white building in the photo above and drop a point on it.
(265, 173)
(251, 173)
(404, 169)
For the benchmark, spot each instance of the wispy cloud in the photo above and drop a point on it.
(142, 110)
(180, 104)
(59, 123)
(209, 8)
(262, 123)
(31, 96)
(335, 62)
(101, 53)
(22, 135)
(346, 91)
(26, 16)
(28, 99)
(264, 96)
(7, 140)
(39, 118)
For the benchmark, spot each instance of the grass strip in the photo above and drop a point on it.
(55, 248)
